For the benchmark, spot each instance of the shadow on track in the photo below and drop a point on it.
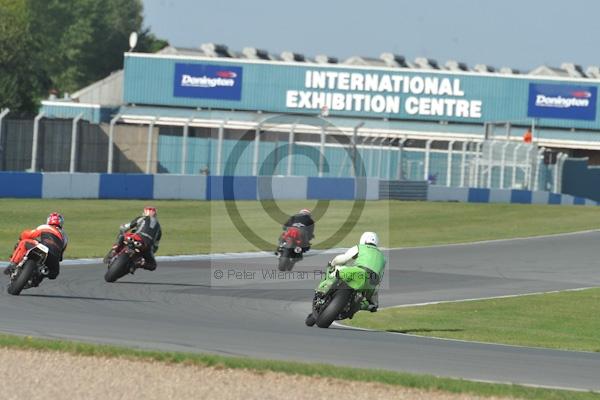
(55, 296)
(163, 284)
(422, 330)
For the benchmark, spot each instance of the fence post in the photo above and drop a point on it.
(490, 164)
(388, 174)
(34, 144)
(111, 140)
(220, 146)
(503, 164)
(463, 163)
(514, 171)
(400, 151)
(449, 164)
(291, 138)
(186, 131)
(149, 148)
(256, 149)
(354, 149)
(540, 159)
(322, 152)
(2, 115)
(74, 142)
(477, 158)
(427, 156)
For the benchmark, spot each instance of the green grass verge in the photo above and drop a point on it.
(293, 368)
(92, 225)
(565, 320)
(192, 227)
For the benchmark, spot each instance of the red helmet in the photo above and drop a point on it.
(55, 219)
(149, 211)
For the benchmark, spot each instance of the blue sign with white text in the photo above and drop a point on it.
(562, 101)
(208, 81)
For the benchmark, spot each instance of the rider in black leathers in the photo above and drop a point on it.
(303, 220)
(148, 227)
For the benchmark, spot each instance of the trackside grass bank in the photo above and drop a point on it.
(566, 320)
(292, 368)
(192, 227)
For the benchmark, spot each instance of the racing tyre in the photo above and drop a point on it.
(285, 263)
(340, 300)
(16, 286)
(118, 268)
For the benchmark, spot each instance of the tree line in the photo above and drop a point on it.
(61, 46)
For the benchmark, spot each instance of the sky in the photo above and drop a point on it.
(521, 34)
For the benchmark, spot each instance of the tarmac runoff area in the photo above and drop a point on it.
(184, 306)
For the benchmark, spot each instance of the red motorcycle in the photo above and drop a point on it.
(291, 247)
(127, 259)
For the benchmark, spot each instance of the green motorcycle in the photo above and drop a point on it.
(341, 293)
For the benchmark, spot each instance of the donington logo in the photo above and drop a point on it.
(208, 81)
(565, 101)
(223, 79)
(577, 99)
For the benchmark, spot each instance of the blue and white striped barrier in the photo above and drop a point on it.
(194, 187)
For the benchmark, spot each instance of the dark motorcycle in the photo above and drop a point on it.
(290, 248)
(127, 259)
(30, 271)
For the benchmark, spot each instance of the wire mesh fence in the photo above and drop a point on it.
(220, 151)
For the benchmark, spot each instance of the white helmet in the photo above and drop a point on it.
(369, 238)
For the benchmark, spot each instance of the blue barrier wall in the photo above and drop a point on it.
(196, 187)
(331, 188)
(126, 186)
(20, 184)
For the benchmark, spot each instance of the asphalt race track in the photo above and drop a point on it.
(179, 307)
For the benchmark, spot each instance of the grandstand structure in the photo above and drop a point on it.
(214, 111)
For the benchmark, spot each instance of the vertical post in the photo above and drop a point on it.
(490, 164)
(379, 161)
(508, 131)
(2, 115)
(186, 132)
(514, 171)
(427, 156)
(322, 152)
(220, 146)
(463, 163)
(561, 160)
(291, 138)
(449, 164)
(74, 142)
(256, 149)
(111, 140)
(354, 149)
(149, 147)
(388, 175)
(400, 153)
(539, 160)
(34, 144)
(477, 159)
(527, 175)
(503, 164)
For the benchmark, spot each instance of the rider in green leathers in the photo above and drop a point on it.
(363, 258)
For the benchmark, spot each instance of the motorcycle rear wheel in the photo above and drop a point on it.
(340, 300)
(118, 268)
(285, 263)
(16, 286)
